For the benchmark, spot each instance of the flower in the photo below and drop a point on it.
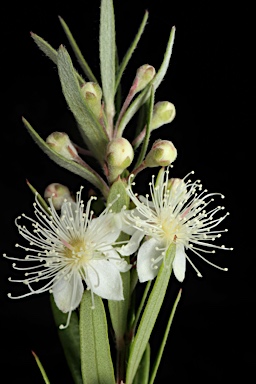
(71, 248)
(177, 213)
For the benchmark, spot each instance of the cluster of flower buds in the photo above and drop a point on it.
(115, 150)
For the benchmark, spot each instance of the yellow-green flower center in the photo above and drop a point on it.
(79, 250)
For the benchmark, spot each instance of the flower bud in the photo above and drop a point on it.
(162, 153)
(119, 156)
(58, 193)
(60, 143)
(144, 75)
(163, 113)
(93, 95)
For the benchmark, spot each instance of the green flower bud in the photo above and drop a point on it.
(93, 95)
(119, 156)
(144, 75)
(163, 113)
(60, 143)
(162, 153)
(58, 193)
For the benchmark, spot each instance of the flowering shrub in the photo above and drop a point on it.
(85, 249)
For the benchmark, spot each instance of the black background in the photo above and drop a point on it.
(211, 81)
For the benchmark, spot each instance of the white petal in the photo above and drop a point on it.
(69, 206)
(124, 223)
(147, 202)
(114, 257)
(104, 279)
(145, 266)
(120, 264)
(179, 263)
(68, 293)
(105, 228)
(132, 245)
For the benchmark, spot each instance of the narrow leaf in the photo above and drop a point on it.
(118, 190)
(50, 52)
(107, 56)
(131, 49)
(150, 314)
(166, 61)
(41, 201)
(96, 363)
(118, 310)
(85, 172)
(70, 341)
(91, 131)
(161, 350)
(142, 374)
(87, 70)
(43, 373)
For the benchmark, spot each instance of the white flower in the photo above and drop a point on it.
(177, 213)
(68, 249)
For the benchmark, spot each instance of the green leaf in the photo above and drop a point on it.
(119, 309)
(87, 70)
(142, 374)
(43, 373)
(161, 350)
(91, 131)
(166, 61)
(41, 201)
(96, 363)
(84, 171)
(131, 49)
(118, 190)
(50, 52)
(70, 341)
(150, 314)
(107, 56)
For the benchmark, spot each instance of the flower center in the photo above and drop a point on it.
(171, 226)
(79, 250)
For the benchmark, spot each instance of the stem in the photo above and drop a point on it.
(120, 360)
(139, 169)
(126, 103)
(138, 140)
(145, 294)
